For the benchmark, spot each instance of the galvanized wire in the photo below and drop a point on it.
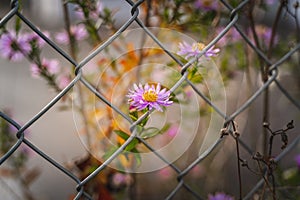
(233, 15)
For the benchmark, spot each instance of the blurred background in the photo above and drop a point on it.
(56, 133)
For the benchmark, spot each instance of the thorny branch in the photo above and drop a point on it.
(268, 160)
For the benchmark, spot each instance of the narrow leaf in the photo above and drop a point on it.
(110, 152)
(150, 132)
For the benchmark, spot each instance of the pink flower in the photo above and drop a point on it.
(35, 70)
(94, 12)
(165, 173)
(63, 81)
(173, 130)
(219, 196)
(36, 39)
(149, 96)
(121, 180)
(197, 171)
(14, 47)
(78, 32)
(52, 66)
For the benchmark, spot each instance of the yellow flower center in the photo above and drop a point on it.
(150, 96)
(199, 46)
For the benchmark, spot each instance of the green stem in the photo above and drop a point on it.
(73, 52)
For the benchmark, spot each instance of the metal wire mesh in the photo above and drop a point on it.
(79, 78)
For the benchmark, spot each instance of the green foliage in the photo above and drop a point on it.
(125, 137)
(110, 152)
(150, 132)
(7, 139)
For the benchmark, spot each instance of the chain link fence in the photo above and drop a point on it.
(229, 127)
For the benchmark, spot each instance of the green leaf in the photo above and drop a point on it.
(110, 152)
(125, 136)
(122, 134)
(291, 176)
(197, 78)
(144, 121)
(150, 132)
(18, 22)
(131, 148)
(194, 76)
(165, 128)
(133, 115)
(139, 129)
(132, 144)
(137, 156)
(18, 25)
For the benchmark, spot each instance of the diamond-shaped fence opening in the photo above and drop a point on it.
(234, 101)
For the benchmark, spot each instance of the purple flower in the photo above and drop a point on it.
(63, 81)
(206, 5)
(219, 196)
(195, 49)
(14, 47)
(35, 38)
(94, 12)
(149, 97)
(265, 34)
(78, 32)
(52, 66)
